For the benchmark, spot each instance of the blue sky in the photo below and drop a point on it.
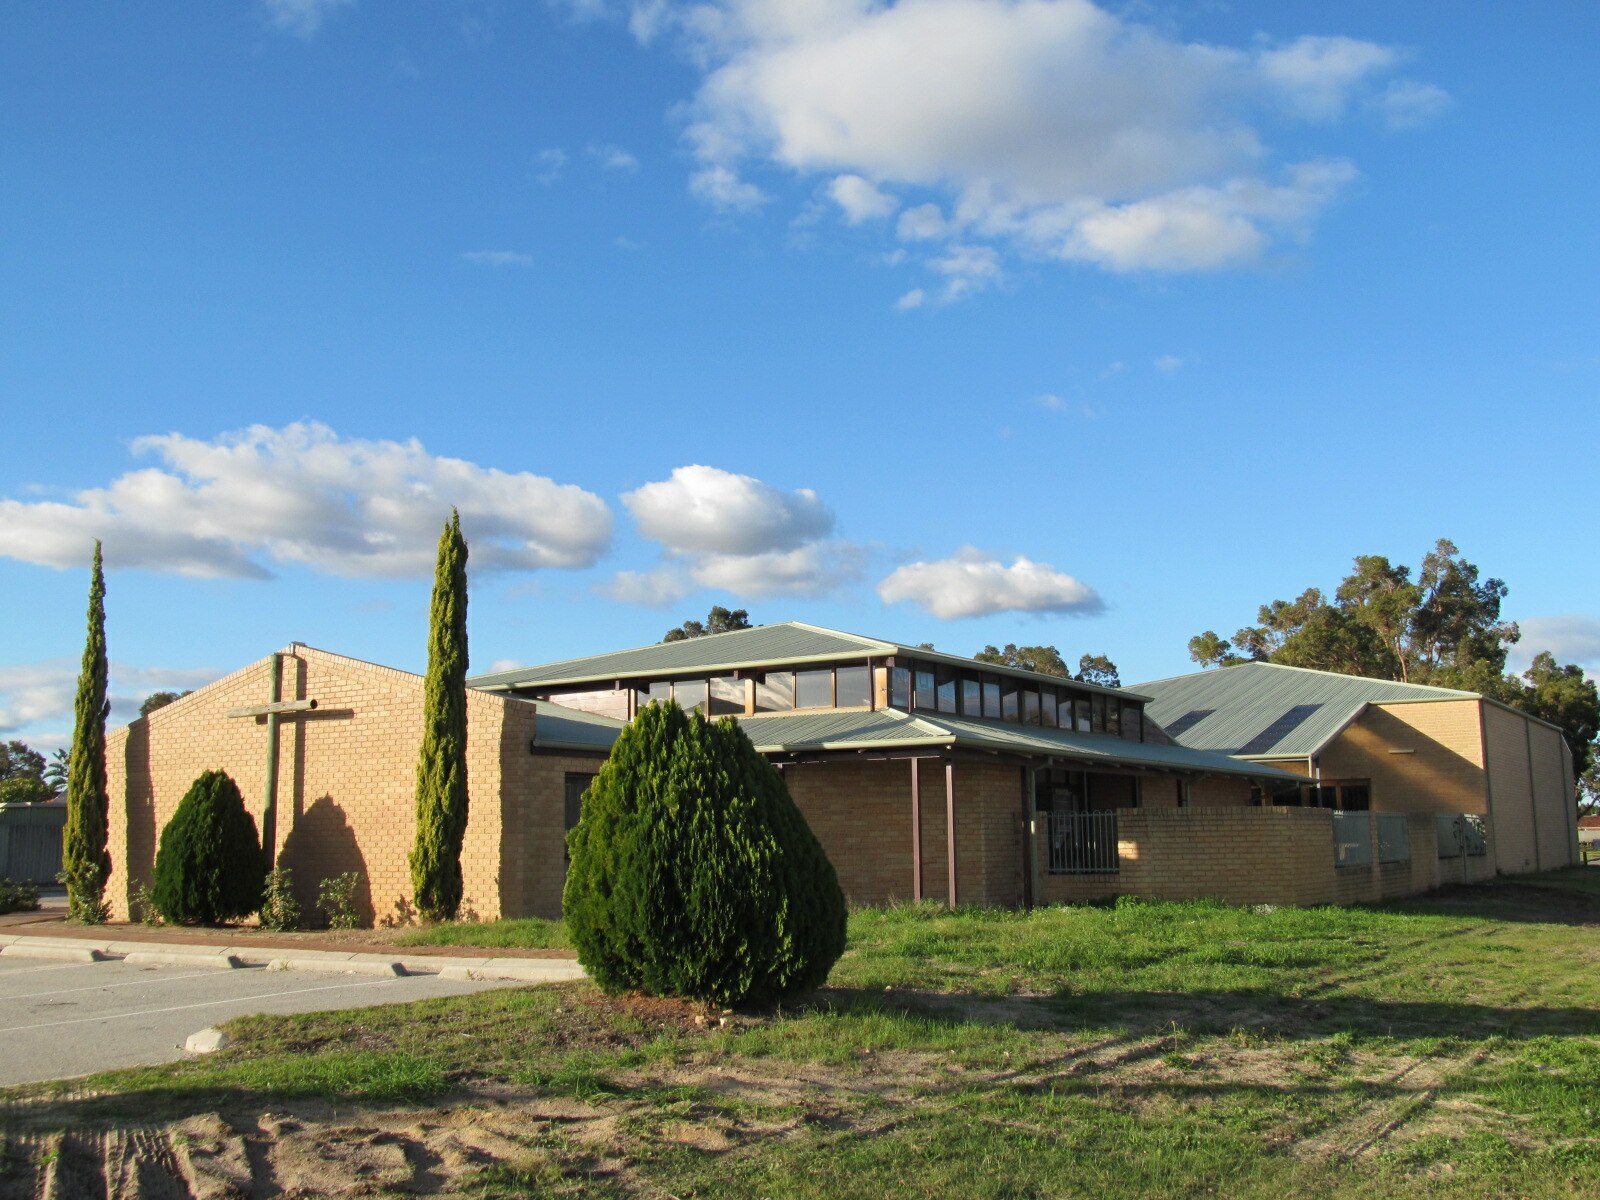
(948, 320)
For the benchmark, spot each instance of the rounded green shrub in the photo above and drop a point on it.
(209, 866)
(693, 873)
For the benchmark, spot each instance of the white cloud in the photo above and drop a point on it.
(1318, 75)
(859, 199)
(1571, 637)
(656, 588)
(627, 243)
(912, 299)
(548, 165)
(40, 695)
(1406, 104)
(968, 269)
(498, 258)
(1168, 363)
(972, 583)
(1051, 401)
(302, 494)
(302, 18)
(705, 510)
(1051, 128)
(719, 186)
(504, 664)
(736, 533)
(613, 158)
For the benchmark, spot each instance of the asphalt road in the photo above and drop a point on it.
(63, 1019)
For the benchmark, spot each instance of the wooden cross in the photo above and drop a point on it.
(273, 711)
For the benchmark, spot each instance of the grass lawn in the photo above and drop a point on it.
(1445, 1046)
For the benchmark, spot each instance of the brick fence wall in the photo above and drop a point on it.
(346, 783)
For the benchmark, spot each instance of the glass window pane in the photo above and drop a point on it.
(1113, 716)
(775, 693)
(945, 677)
(727, 696)
(1133, 722)
(1080, 708)
(991, 697)
(926, 696)
(855, 687)
(1355, 797)
(814, 689)
(971, 696)
(659, 692)
(1097, 710)
(1047, 708)
(900, 687)
(1009, 691)
(690, 694)
(1030, 707)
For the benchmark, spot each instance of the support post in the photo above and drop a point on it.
(950, 827)
(916, 830)
(269, 789)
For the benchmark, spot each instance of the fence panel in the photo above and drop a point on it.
(1460, 835)
(30, 842)
(1352, 839)
(1394, 838)
(1083, 843)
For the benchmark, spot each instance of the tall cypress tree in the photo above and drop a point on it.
(85, 863)
(442, 768)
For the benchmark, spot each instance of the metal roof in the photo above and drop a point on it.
(785, 644)
(1265, 710)
(885, 729)
(560, 728)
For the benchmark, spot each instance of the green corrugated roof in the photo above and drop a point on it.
(785, 644)
(1244, 703)
(890, 728)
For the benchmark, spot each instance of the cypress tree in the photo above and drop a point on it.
(209, 867)
(442, 768)
(694, 874)
(85, 862)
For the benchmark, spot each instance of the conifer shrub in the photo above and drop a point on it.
(209, 865)
(693, 873)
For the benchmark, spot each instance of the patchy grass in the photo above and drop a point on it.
(1444, 1047)
(525, 933)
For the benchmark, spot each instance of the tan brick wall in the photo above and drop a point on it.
(1443, 771)
(861, 813)
(1244, 855)
(1218, 791)
(346, 781)
(1557, 805)
(1505, 733)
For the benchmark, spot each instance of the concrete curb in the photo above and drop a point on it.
(186, 954)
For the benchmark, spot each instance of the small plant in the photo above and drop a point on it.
(84, 904)
(209, 867)
(280, 912)
(141, 908)
(337, 898)
(18, 897)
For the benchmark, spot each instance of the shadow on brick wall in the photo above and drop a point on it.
(320, 846)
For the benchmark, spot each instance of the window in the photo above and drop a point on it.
(1010, 699)
(1113, 717)
(775, 693)
(1133, 722)
(971, 696)
(690, 694)
(991, 696)
(926, 696)
(945, 680)
(1355, 797)
(657, 692)
(1097, 710)
(576, 785)
(854, 686)
(1030, 707)
(1080, 708)
(1047, 708)
(900, 687)
(814, 689)
(727, 696)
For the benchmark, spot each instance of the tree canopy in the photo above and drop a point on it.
(157, 700)
(1441, 626)
(25, 774)
(718, 620)
(1047, 660)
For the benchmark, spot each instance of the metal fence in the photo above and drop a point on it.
(1460, 835)
(1394, 838)
(1083, 843)
(1352, 839)
(30, 842)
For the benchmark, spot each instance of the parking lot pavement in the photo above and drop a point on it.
(62, 1019)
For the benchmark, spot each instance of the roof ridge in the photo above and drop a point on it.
(1213, 674)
